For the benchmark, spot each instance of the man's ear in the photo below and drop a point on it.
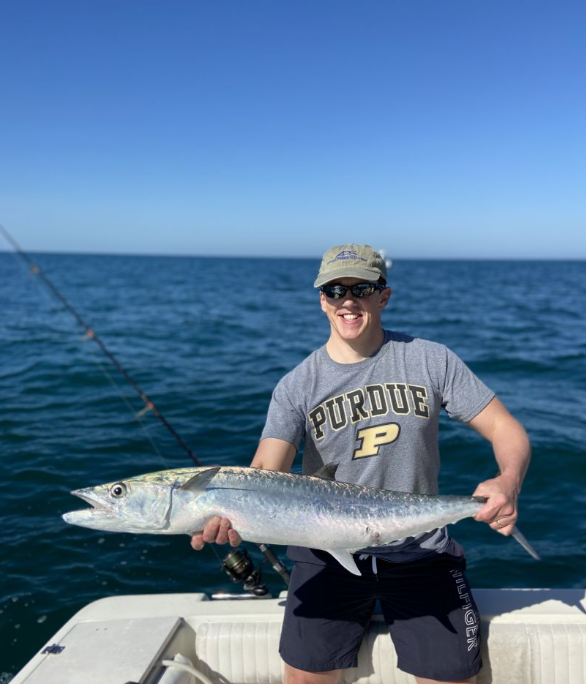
(322, 301)
(385, 295)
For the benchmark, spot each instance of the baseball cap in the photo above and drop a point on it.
(351, 261)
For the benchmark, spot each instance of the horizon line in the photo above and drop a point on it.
(278, 256)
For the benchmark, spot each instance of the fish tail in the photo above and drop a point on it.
(520, 538)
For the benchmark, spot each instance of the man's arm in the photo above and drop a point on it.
(512, 452)
(272, 454)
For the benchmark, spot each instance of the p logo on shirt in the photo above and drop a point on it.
(372, 438)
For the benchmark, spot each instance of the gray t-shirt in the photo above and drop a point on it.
(378, 420)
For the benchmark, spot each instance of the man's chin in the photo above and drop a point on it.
(352, 335)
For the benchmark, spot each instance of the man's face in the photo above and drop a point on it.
(351, 317)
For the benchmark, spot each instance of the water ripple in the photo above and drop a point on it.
(210, 358)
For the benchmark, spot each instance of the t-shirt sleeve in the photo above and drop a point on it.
(285, 420)
(463, 394)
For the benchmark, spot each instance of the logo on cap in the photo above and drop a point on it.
(347, 255)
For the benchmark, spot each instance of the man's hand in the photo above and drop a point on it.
(218, 530)
(272, 454)
(512, 452)
(500, 511)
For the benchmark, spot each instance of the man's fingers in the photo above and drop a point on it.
(488, 512)
(218, 530)
(494, 510)
(197, 542)
(504, 524)
(223, 529)
(234, 538)
(498, 514)
(500, 509)
(210, 531)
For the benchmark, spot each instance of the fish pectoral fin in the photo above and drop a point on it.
(200, 481)
(346, 560)
(327, 472)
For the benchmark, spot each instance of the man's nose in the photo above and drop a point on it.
(349, 297)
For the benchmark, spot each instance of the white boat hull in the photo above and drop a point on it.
(531, 636)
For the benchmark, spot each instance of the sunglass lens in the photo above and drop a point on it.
(362, 290)
(338, 291)
(334, 291)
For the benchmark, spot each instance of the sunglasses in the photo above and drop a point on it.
(359, 290)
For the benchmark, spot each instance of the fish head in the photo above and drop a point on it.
(132, 505)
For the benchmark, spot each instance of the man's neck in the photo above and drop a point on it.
(353, 351)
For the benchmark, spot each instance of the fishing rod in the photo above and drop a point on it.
(237, 564)
(149, 404)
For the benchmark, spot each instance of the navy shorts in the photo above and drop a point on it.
(428, 606)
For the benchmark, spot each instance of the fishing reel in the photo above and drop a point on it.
(240, 568)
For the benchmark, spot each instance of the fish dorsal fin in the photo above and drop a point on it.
(346, 560)
(200, 481)
(327, 472)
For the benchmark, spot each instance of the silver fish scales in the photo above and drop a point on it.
(270, 507)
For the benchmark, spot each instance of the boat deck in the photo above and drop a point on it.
(530, 636)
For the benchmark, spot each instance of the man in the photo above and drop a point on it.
(369, 400)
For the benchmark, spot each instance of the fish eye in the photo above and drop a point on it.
(118, 490)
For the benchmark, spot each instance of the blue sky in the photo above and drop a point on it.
(432, 128)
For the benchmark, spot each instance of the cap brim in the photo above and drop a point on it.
(365, 273)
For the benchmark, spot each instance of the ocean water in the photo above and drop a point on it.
(208, 339)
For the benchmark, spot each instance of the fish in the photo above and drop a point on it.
(271, 507)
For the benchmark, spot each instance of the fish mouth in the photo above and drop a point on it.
(99, 512)
(93, 499)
